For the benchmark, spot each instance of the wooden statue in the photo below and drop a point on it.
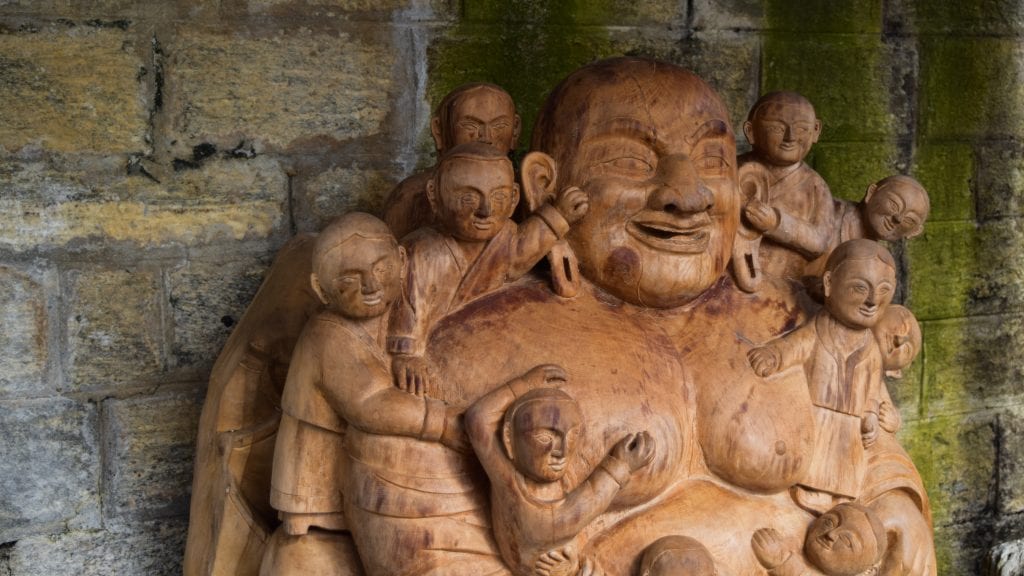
(615, 430)
(796, 219)
(524, 434)
(892, 209)
(843, 365)
(476, 248)
(899, 339)
(477, 112)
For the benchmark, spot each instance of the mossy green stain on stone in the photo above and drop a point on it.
(850, 167)
(946, 170)
(524, 46)
(853, 16)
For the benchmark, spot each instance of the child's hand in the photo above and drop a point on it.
(572, 203)
(869, 429)
(412, 374)
(558, 562)
(636, 450)
(761, 216)
(771, 552)
(764, 360)
(889, 417)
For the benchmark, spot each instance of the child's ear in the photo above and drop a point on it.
(826, 283)
(437, 133)
(748, 131)
(517, 127)
(403, 257)
(817, 131)
(314, 281)
(432, 193)
(515, 200)
(506, 440)
(870, 192)
(539, 175)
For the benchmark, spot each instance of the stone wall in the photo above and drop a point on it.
(155, 154)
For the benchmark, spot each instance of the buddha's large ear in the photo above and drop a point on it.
(539, 176)
(506, 438)
(314, 281)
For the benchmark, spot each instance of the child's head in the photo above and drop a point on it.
(473, 192)
(478, 112)
(357, 266)
(859, 281)
(896, 207)
(540, 431)
(846, 541)
(677, 556)
(899, 337)
(781, 127)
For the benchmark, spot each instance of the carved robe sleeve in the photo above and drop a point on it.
(796, 347)
(810, 237)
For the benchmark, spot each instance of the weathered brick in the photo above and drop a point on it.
(946, 170)
(850, 167)
(728, 15)
(207, 298)
(50, 101)
(1011, 461)
(974, 17)
(153, 548)
(224, 200)
(51, 467)
(331, 10)
(956, 457)
(942, 263)
(1006, 559)
(849, 81)
(968, 361)
(599, 12)
(280, 88)
(967, 90)
(728, 62)
(960, 549)
(150, 442)
(114, 328)
(843, 16)
(325, 196)
(1000, 180)
(25, 338)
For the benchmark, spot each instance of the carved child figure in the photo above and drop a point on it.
(843, 367)
(339, 377)
(525, 435)
(899, 339)
(796, 220)
(893, 208)
(477, 247)
(677, 556)
(848, 540)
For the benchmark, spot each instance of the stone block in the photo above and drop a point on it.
(331, 11)
(968, 91)
(956, 457)
(220, 201)
(25, 338)
(153, 548)
(850, 81)
(850, 167)
(207, 298)
(1005, 559)
(1000, 180)
(947, 172)
(969, 361)
(150, 443)
(728, 62)
(357, 186)
(114, 329)
(592, 12)
(843, 16)
(960, 549)
(280, 87)
(713, 15)
(51, 461)
(941, 263)
(968, 17)
(77, 89)
(1011, 460)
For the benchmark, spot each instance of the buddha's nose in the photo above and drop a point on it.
(678, 189)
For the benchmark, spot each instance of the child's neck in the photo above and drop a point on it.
(542, 491)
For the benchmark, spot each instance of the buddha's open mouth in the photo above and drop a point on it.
(687, 235)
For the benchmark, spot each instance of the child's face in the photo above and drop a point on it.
(486, 116)
(784, 131)
(899, 337)
(858, 291)
(897, 210)
(362, 277)
(476, 197)
(544, 438)
(842, 542)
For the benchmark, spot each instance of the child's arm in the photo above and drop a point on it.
(539, 232)
(484, 417)
(782, 353)
(776, 558)
(591, 498)
(809, 237)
